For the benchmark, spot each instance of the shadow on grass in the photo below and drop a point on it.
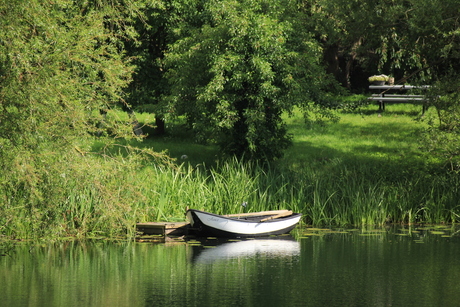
(383, 134)
(391, 109)
(178, 143)
(387, 150)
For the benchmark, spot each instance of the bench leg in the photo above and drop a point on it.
(381, 106)
(424, 109)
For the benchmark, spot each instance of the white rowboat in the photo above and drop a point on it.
(256, 224)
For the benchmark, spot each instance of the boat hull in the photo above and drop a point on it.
(208, 224)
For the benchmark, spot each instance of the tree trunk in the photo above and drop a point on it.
(332, 59)
(160, 126)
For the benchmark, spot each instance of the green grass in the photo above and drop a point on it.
(362, 170)
(361, 135)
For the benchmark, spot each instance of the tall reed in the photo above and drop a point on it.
(94, 196)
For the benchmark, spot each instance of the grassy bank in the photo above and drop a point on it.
(363, 170)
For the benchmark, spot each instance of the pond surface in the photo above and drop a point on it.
(417, 266)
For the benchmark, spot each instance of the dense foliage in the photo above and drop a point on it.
(231, 68)
(239, 69)
(60, 64)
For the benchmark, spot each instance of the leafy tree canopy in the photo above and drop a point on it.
(61, 62)
(234, 74)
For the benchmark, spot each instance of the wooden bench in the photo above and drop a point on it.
(402, 97)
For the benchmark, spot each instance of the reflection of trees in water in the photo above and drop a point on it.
(334, 267)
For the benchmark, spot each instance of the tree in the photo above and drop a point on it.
(435, 33)
(60, 63)
(153, 27)
(236, 71)
(359, 37)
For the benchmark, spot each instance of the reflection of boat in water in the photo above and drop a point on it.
(256, 224)
(268, 248)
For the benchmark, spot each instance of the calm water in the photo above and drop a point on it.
(403, 267)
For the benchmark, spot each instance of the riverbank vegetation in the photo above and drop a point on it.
(120, 112)
(370, 171)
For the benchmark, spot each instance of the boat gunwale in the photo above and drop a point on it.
(253, 220)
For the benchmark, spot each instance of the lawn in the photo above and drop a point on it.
(363, 135)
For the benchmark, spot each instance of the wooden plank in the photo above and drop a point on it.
(395, 99)
(277, 216)
(396, 95)
(162, 224)
(398, 87)
(163, 228)
(272, 212)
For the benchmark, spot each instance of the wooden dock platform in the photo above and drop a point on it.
(164, 228)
